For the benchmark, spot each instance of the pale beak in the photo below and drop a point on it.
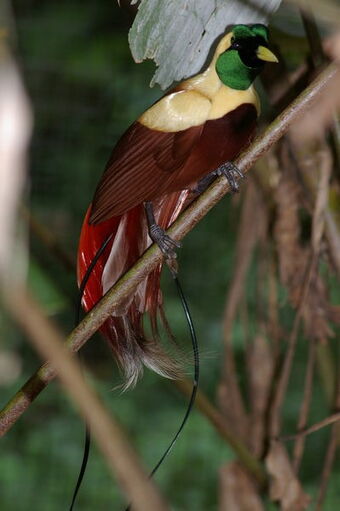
(265, 54)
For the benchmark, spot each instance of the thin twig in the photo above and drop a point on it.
(273, 310)
(230, 397)
(282, 384)
(304, 410)
(318, 225)
(335, 417)
(333, 238)
(330, 453)
(246, 239)
(327, 468)
(127, 284)
(284, 198)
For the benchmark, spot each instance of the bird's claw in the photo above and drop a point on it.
(232, 173)
(167, 245)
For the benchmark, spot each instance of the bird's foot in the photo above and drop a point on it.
(232, 173)
(229, 170)
(167, 245)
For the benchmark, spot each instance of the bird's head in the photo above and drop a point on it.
(242, 54)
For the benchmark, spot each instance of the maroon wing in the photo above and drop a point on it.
(141, 165)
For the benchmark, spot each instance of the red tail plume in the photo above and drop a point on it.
(124, 329)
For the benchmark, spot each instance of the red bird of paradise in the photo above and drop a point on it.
(176, 146)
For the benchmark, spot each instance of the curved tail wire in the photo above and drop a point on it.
(195, 377)
(195, 350)
(87, 442)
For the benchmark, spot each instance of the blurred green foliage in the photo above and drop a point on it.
(85, 91)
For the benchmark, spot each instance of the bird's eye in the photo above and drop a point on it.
(236, 45)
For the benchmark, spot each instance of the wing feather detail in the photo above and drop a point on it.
(140, 167)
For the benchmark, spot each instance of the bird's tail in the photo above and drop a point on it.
(125, 332)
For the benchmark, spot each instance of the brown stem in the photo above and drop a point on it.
(273, 310)
(230, 397)
(330, 453)
(333, 238)
(280, 392)
(247, 237)
(312, 429)
(327, 468)
(127, 284)
(304, 410)
(318, 226)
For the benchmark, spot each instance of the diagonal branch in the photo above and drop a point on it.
(208, 410)
(127, 284)
(332, 419)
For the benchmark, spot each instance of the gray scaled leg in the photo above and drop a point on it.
(157, 234)
(229, 170)
(232, 173)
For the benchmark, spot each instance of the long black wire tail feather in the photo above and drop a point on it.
(87, 442)
(86, 453)
(195, 379)
(195, 350)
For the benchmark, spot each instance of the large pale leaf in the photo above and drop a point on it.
(178, 35)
